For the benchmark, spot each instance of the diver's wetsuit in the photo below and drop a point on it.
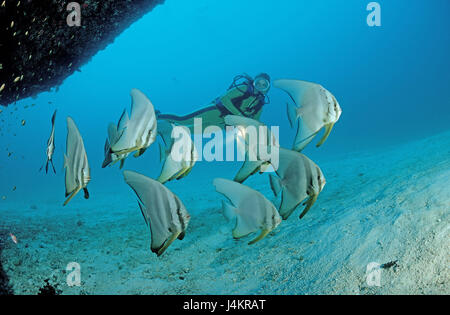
(241, 99)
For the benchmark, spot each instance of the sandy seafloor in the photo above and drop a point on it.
(379, 206)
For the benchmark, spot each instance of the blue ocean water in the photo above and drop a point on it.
(391, 81)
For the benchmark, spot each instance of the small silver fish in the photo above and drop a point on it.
(50, 147)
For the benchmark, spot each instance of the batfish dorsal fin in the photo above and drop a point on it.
(235, 192)
(112, 133)
(123, 122)
(54, 117)
(301, 92)
(140, 105)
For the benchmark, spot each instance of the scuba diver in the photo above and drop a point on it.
(245, 97)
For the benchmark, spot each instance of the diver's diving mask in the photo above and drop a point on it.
(262, 83)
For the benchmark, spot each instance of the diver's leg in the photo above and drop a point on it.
(210, 116)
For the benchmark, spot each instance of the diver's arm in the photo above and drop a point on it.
(231, 94)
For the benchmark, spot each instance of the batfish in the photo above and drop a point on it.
(78, 173)
(50, 147)
(316, 108)
(259, 154)
(163, 212)
(179, 156)
(252, 211)
(299, 178)
(138, 131)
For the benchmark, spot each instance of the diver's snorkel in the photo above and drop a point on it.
(262, 83)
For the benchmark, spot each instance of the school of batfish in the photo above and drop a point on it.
(298, 179)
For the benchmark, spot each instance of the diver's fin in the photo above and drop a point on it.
(260, 237)
(275, 184)
(53, 166)
(46, 167)
(122, 163)
(292, 112)
(309, 203)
